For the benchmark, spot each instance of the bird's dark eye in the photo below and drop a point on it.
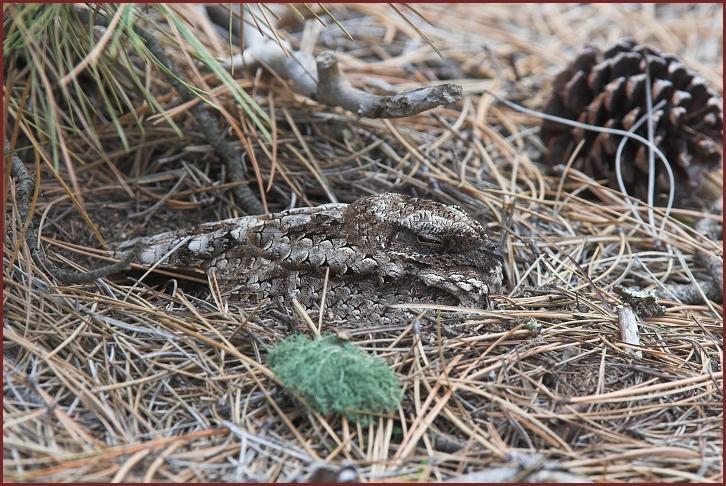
(429, 240)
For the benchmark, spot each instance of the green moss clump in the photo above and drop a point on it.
(334, 376)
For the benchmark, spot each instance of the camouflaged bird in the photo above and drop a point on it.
(379, 251)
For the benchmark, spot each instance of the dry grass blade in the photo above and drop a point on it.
(418, 31)
(98, 48)
(325, 9)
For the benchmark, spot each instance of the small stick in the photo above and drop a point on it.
(629, 329)
(305, 317)
(321, 79)
(712, 264)
(712, 287)
(206, 120)
(25, 189)
(322, 299)
(689, 294)
(335, 89)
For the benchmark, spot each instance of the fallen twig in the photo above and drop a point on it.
(24, 190)
(321, 79)
(712, 287)
(206, 121)
(334, 89)
(629, 329)
(689, 294)
(714, 268)
(714, 265)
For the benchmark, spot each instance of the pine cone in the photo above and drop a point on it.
(607, 89)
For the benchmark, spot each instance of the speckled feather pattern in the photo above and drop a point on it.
(379, 250)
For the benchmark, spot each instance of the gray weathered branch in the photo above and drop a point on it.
(334, 89)
(712, 286)
(322, 80)
(689, 294)
(714, 265)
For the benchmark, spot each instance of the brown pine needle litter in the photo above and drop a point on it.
(162, 380)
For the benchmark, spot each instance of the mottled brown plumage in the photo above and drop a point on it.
(379, 251)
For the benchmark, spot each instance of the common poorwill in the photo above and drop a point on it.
(379, 251)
